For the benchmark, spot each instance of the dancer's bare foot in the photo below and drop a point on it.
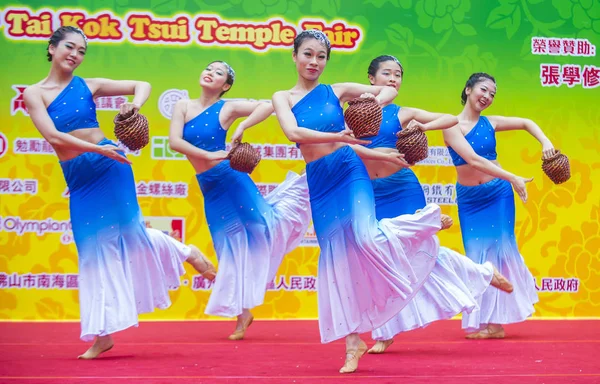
(492, 331)
(201, 263)
(380, 346)
(501, 282)
(243, 322)
(101, 345)
(352, 357)
(446, 222)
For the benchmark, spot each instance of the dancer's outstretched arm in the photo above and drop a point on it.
(107, 87)
(457, 141)
(258, 113)
(369, 154)
(440, 123)
(501, 123)
(348, 91)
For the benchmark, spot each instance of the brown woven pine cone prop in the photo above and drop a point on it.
(557, 167)
(243, 158)
(412, 143)
(132, 130)
(363, 116)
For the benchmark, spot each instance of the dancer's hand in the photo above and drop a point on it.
(520, 186)
(346, 136)
(112, 152)
(371, 96)
(128, 107)
(397, 158)
(368, 96)
(547, 150)
(236, 138)
(219, 155)
(414, 124)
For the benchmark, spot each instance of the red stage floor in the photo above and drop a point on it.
(290, 352)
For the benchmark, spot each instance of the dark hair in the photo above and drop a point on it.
(230, 75)
(312, 34)
(60, 34)
(473, 80)
(376, 62)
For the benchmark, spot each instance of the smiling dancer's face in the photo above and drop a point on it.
(311, 59)
(481, 95)
(389, 73)
(69, 52)
(214, 77)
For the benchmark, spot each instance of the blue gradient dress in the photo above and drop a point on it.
(251, 234)
(120, 272)
(487, 223)
(455, 283)
(368, 269)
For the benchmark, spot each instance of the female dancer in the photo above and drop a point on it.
(120, 273)
(455, 282)
(368, 270)
(486, 206)
(251, 234)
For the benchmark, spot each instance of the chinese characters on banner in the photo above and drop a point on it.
(282, 282)
(161, 189)
(555, 75)
(155, 189)
(558, 284)
(38, 281)
(199, 283)
(32, 146)
(440, 194)
(438, 156)
(160, 150)
(275, 151)
(18, 186)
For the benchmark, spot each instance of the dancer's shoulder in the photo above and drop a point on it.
(282, 97)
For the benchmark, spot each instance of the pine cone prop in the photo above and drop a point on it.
(363, 117)
(132, 130)
(557, 167)
(413, 144)
(243, 158)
